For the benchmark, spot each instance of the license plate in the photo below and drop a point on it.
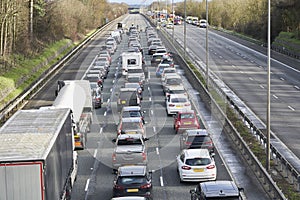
(187, 123)
(132, 190)
(123, 102)
(199, 170)
(131, 132)
(178, 106)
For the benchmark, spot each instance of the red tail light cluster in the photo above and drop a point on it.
(210, 167)
(144, 156)
(171, 105)
(186, 167)
(118, 187)
(114, 157)
(148, 185)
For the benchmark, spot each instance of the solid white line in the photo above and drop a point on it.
(241, 72)
(161, 181)
(157, 151)
(87, 185)
(95, 153)
(290, 107)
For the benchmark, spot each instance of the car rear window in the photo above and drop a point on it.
(198, 139)
(129, 141)
(197, 161)
(178, 100)
(187, 116)
(131, 114)
(132, 180)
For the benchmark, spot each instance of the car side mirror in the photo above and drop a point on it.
(145, 139)
(114, 140)
(241, 189)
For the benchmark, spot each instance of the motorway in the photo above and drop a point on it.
(95, 177)
(244, 71)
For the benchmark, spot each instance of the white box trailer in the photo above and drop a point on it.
(36, 155)
(76, 95)
(131, 59)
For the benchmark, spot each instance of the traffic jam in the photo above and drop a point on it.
(146, 60)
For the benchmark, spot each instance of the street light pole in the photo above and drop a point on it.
(184, 30)
(173, 21)
(269, 88)
(31, 20)
(207, 51)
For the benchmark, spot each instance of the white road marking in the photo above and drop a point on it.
(296, 87)
(251, 78)
(281, 78)
(101, 130)
(290, 107)
(157, 151)
(108, 100)
(87, 185)
(262, 86)
(104, 113)
(161, 181)
(95, 153)
(276, 97)
(154, 129)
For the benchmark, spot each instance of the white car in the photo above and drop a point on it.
(196, 165)
(170, 25)
(203, 23)
(176, 103)
(168, 70)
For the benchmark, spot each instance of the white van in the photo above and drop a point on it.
(131, 59)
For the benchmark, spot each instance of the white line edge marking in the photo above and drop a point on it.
(154, 129)
(95, 153)
(161, 181)
(87, 185)
(157, 151)
(290, 107)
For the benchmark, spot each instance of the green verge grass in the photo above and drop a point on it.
(28, 70)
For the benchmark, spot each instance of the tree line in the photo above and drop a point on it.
(244, 16)
(27, 26)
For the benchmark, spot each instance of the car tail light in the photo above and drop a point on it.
(188, 143)
(118, 187)
(171, 105)
(144, 156)
(97, 99)
(210, 167)
(187, 104)
(186, 167)
(148, 185)
(209, 142)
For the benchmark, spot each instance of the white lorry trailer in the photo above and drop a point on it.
(36, 155)
(76, 95)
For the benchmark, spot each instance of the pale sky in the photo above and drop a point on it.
(138, 2)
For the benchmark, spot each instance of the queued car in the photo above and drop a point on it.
(221, 190)
(186, 120)
(128, 97)
(196, 165)
(175, 89)
(171, 80)
(177, 103)
(131, 125)
(131, 112)
(196, 139)
(132, 78)
(129, 198)
(168, 70)
(133, 181)
(170, 25)
(203, 23)
(97, 97)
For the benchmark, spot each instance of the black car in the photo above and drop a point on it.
(220, 190)
(133, 181)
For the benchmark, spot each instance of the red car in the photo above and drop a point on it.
(186, 120)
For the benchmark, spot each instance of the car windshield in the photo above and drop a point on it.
(197, 161)
(130, 141)
(178, 100)
(132, 180)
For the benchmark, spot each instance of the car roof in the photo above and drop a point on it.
(129, 198)
(131, 119)
(197, 132)
(219, 188)
(178, 96)
(176, 87)
(135, 136)
(133, 170)
(131, 108)
(194, 153)
(186, 111)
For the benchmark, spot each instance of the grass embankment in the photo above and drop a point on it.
(27, 70)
